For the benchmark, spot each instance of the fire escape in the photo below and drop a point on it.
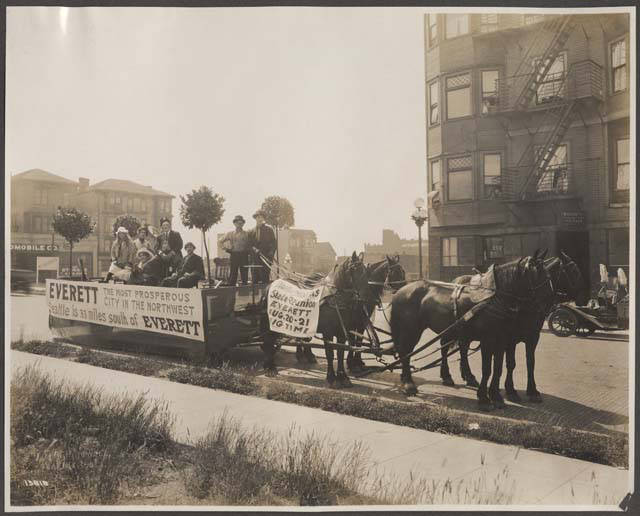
(546, 90)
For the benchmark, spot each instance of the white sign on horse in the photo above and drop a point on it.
(293, 311)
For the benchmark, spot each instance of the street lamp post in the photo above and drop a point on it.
(419, 216)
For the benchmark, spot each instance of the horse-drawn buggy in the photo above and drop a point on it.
(499, 308)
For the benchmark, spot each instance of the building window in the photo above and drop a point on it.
(492, 176)
(106, 246)
(433, 29)
(517, 246)
(436, 176)
(458, 251)
(434, 103)
(551, 86)
(456, 25)
(622, 164)
(489, 90)
(619, 66)
(36, 225)
(118, 200)
(41, 196)
(459, 96)
(136, 204)
(618, 247)
(143, 205)
(555, 177)
(129, 203)
(460, 178)
(533, 18)
(493, 248)
(488, 22)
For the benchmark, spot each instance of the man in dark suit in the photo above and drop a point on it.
(191, 270)
(263, 241)
(173, 238)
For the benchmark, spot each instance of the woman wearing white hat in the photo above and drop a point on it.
(123, 252)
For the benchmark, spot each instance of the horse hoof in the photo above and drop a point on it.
(535, 397)
(343, 382)
(300, 358)
(331, 379)
(485, 405)
(311, 358)
(472, 382)
(448, 382)
(513, 396)
(409, 389)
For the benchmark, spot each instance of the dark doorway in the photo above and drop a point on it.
(576, 245)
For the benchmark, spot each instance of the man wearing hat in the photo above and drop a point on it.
(148, 271)
(236, 243)
(123, 252)
(263, 241)
(168, 235)
(190, 271)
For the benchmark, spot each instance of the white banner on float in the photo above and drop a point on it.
(170, 311)
(293, 311)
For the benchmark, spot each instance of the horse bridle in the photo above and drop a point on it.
(386, 278)
(562, 270)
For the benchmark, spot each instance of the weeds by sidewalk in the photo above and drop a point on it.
(70, 444)
(604, 449)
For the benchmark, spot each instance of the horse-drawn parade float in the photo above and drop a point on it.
(507, 304)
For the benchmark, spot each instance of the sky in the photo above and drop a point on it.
(324, 106)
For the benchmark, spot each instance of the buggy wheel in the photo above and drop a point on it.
(584, 331)
(562, 322)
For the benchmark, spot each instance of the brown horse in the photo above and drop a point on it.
(568, 285)
(348, 284)
(421, 305)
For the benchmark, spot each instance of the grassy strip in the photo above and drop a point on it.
(93, 449)
(603, 449)
(86, 444)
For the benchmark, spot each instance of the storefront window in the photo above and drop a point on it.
(458, 251)
(494, 248)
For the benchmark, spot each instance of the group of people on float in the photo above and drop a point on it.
(157, 260)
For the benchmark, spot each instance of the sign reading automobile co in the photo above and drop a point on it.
(34, 247)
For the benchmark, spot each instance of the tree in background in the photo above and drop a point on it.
(279, 214)
(202, 209)
(73, 225)
(129, 222)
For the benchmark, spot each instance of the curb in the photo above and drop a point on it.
(599, 335)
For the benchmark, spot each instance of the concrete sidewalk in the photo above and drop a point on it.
(538, 478)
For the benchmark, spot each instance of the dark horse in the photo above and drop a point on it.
(387, 273)
(347, 284)
(568, 285)
(421, 305)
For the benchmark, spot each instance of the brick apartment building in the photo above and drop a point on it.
(527, 139)
(35, 196)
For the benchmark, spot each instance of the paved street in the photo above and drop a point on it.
(584, 382)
